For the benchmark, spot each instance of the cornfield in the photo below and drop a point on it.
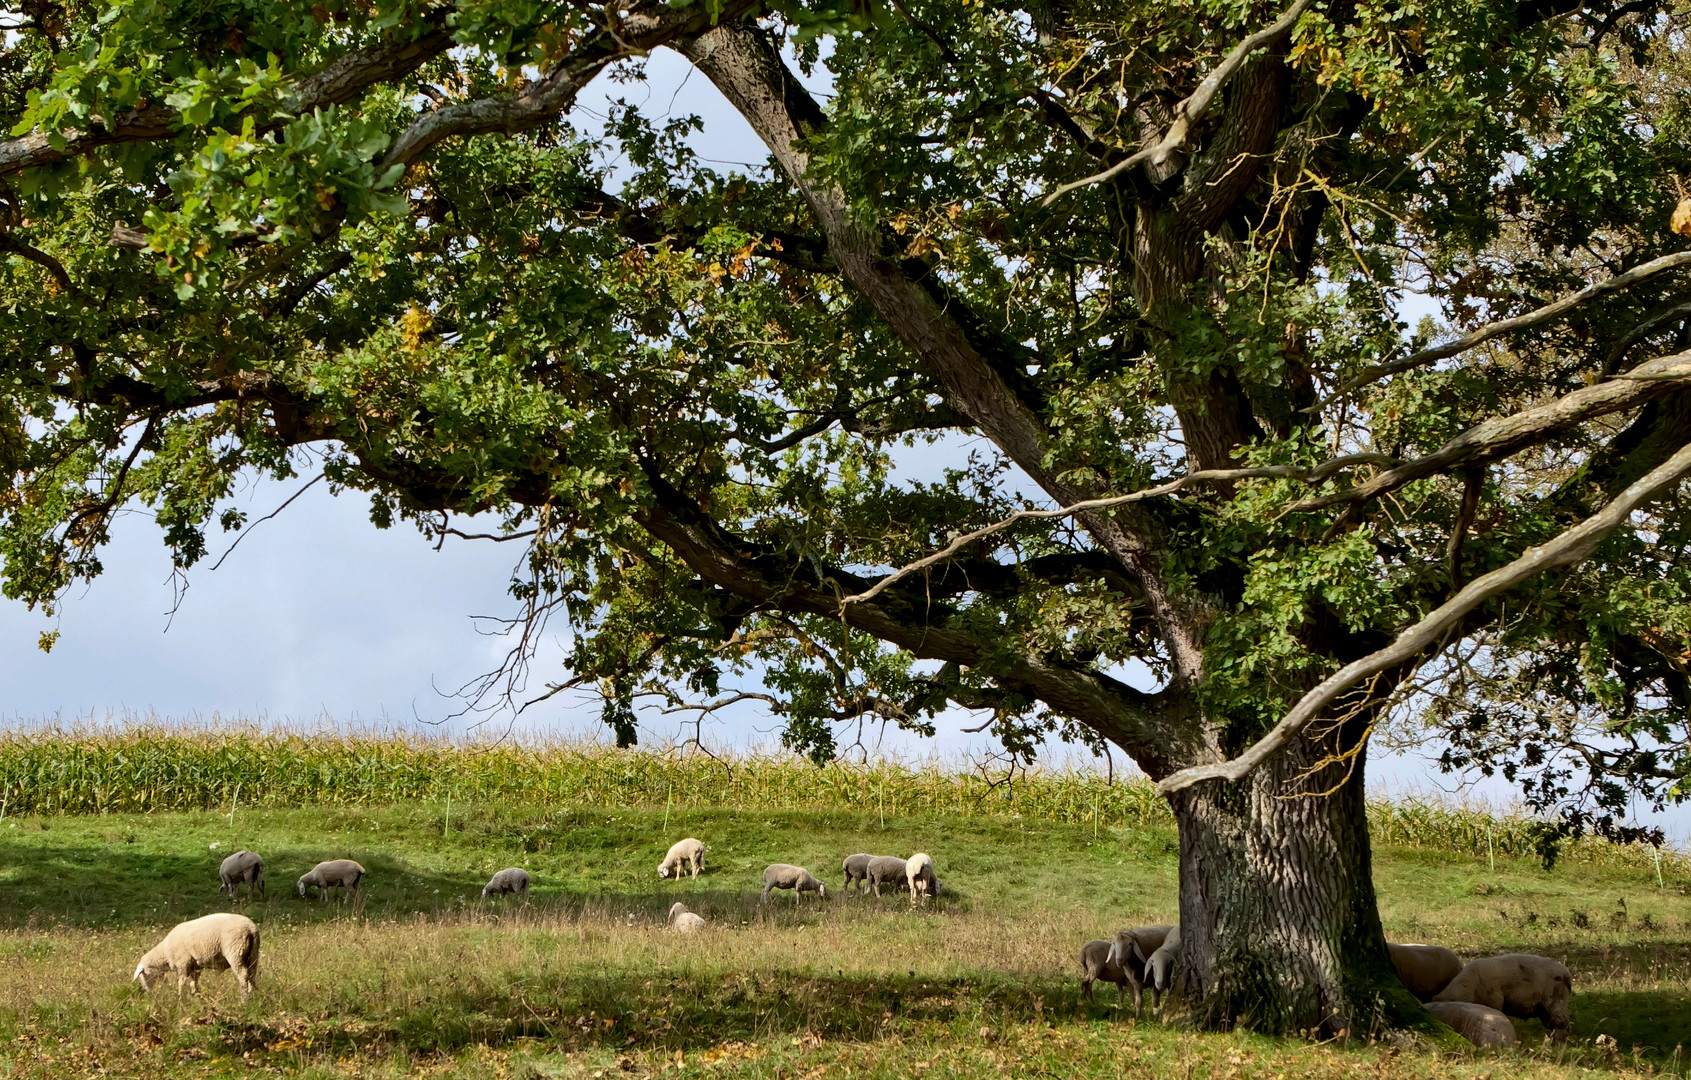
(141, 769)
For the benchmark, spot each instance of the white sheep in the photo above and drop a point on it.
(690, 851)
(213, 942)
(683, 921)
(512, 879)
(919, 874)
(1424, 970)
(242, 868)
(1131, 951)
(342, 874)
(1159, 969)
(1518, 984)
(885, 869)
(1476, 1023)
(856, 868)
(796, 878)
(1095, 966)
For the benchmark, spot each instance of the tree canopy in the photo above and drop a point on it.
(1154, 264)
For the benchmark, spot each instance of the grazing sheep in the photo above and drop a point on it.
(683, 921)
(797, 878)
(1476, 1023)
(1132, 951)
(688, 851)
(886, 869)
(512, 879)
(1095, 966)
(919, 873)
(1424, 970)
(1159, 969)
(1518, 984)
(856, 868)
(242, 868)
(342, 874)
(214, 942)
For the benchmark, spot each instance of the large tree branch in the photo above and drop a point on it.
(749, 72)
(1494, 439)
(1567, 549)
(340, 81)
(1508, 326)
(1190, 111)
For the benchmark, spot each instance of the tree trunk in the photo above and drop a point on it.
(1279, 930)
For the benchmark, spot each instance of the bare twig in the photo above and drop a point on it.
(1570, 547)
(1293, 472)
(1192, 109)
(248, 530)
(1506, 326)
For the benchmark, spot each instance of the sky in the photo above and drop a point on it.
(320, 618)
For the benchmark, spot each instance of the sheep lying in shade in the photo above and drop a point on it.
(1131, 951)
(1476, 1023)
(342, 874)
(1517, 984)
(214, 942)
(512, 879)
(856, 870)
(683, 921)
(1424, 970)
(688, 851)
(919, 874)
(796, 878)
(242, 868)
(887, 869)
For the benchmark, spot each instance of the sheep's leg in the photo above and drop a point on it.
(1086, 988)
(764, 897)
(1121, 994)
(1138, 999)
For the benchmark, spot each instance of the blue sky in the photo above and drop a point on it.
(320, 615)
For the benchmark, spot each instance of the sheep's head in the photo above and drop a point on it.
(487, 890)
(305, 883)
(145, 975)
(822, 890)
(663, 871)
(1161, 968)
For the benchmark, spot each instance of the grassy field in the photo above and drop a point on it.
(427, 979)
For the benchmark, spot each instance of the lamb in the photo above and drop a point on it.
(690, 851)
(786, 876)
(1476, 1023)
(512, 879)
(343, 874)
(1517, 984)
(886, 868)
(242, 868)
(1095, 966)
(1159, 969)
(1424, 970)
(683, 921)
(215, 942)
(1131, 951)
(856, 868)
(919, 873)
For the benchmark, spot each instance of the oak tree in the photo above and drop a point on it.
(1225, 500)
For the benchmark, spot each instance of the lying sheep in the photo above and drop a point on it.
(1476, 1023)
(919, 873)
(886, 869)
(1159, 969)
(786, 876)
(1518, 984)
(342, 874)
(213, 942)
(683, 921)
(1095, 966)
(1131, 951)
(856, 868)
(242, 868)
(512, 879)
(1424, 970)
(690, 851)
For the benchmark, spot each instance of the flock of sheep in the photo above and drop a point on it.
(1476, 999)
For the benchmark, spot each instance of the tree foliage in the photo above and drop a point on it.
(1078, 248)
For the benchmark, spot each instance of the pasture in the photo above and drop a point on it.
(424, 978)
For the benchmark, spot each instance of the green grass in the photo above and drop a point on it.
(427, 979)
